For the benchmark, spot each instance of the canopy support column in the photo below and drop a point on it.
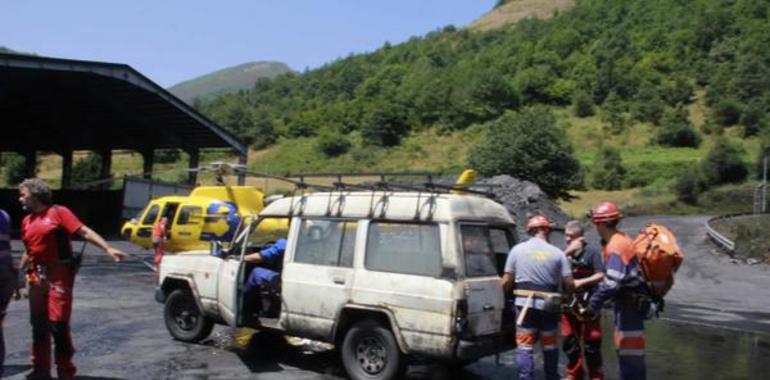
(66, 169)
(148, 160)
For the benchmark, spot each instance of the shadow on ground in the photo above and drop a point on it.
(270, 353)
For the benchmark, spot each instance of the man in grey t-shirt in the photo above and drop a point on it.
(535, 267)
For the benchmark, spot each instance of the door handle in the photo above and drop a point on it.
(185, 233)
(488, 307)
(339, 280)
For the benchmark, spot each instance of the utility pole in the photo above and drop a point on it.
(764, 184)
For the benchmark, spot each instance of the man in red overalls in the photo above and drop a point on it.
(46, 233)
(582, 337)
(158, 237)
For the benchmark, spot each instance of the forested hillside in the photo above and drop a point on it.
(652, 78)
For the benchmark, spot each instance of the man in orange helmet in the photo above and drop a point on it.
(624, 284)
(536, 269)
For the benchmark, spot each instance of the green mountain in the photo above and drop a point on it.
(231, 79)
(660, 81)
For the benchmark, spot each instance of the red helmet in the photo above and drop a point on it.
(539, 221)
(605, 212)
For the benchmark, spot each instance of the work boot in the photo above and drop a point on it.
(37, 376)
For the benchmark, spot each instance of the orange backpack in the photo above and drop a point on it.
(659, 257)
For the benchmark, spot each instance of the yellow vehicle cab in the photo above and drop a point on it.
(208, 213)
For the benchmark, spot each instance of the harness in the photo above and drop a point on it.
(37, 272)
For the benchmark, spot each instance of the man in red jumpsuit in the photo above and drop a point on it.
(50, 265)
(158, 237)
(582, 337)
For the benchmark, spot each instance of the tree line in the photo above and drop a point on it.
(628, 62)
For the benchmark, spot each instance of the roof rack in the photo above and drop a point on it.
(383, 183)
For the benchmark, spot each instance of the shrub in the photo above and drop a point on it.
(528, 145)
(14, 168)
(613, 113)
(332, 144)
(687, 186)
(583, 104)
(167, 156)
(385, 124)
(86, 169)
(676, 130)
(608, 172)
(752, 119)
(727, 112)
(723, 164)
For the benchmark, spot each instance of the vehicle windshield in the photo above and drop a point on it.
(485, 247)
(266, 231)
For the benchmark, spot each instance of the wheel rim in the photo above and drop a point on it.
(371, 355)
(185, 315)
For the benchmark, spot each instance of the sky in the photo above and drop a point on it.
(175, 40)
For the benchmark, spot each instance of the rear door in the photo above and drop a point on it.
(481, 245)
(318, 278)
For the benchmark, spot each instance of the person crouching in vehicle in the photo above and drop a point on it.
(587, 270)
(536, 269)
(50, 264)
(625, 285)
(266, 277)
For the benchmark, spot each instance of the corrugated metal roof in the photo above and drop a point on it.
(51, 104)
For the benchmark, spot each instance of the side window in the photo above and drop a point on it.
(151, 215)
(408, 248)
(485, 249)
(189, 215)
(326, 242)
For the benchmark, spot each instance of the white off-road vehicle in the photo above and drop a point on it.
(381, 275)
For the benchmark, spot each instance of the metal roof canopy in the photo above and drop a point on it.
(59, 105)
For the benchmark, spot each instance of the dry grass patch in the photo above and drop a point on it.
(516, 10)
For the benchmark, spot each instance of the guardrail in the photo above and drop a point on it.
(720, 239)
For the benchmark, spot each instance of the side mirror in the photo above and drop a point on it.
(216, 249)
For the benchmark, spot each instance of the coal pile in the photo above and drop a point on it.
(523, 199)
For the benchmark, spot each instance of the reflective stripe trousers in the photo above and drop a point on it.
(537, 326)
(629, 340)
(50, 305)
(582, 340)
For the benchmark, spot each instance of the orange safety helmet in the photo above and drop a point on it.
(605, 212)
(538, 221)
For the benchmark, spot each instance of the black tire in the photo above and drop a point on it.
(370, 352)
(183, 318)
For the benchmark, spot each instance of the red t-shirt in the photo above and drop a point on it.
(38, 232)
